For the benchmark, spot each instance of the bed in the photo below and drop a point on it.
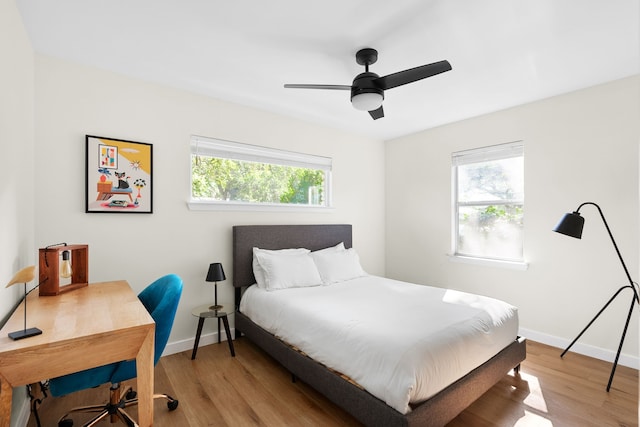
(437, 410)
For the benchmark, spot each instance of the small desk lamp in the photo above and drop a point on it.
(51, 269)
(23, 276)
(571, 225)
(215, 274)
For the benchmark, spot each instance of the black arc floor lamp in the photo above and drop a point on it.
(571, 225)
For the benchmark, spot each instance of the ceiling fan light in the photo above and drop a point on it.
(367, 101)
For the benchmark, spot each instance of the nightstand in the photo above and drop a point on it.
(206, 312)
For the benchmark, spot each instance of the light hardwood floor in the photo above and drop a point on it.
(253, 390)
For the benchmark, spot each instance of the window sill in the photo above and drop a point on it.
(198, 205)
(512, 265)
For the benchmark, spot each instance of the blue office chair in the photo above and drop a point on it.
(161, 300)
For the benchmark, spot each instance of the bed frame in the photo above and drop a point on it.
(371, 411)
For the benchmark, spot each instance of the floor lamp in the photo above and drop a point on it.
(571, 225)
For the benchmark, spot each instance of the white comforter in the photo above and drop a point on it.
(401, 342)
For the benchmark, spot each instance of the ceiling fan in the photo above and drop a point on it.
(367, 89)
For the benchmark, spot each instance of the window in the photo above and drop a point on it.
(233, 175)
(488, 198)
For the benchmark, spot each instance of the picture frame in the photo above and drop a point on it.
(119, 176)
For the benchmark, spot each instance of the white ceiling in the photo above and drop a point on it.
(503, 52)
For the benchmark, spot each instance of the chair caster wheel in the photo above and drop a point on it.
(131, 394)
(172, 405)
(65, 423)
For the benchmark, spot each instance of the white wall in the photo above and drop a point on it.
(16, 185)
(581, 146)
(73, 100)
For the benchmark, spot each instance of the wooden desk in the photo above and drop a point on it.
(92, 326)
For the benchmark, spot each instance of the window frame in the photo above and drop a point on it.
(478, 155)
(220, 148)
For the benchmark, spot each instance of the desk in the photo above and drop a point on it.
(92, 326)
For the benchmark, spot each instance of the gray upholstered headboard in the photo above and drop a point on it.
(313, 237)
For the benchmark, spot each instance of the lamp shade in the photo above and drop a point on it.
(215, 273)
(367, 101)
(571, 224)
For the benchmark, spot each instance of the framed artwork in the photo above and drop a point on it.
(118, 176)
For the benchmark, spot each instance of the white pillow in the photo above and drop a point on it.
(258, 272)
(337, 248)
(291, 270)
(338, 266)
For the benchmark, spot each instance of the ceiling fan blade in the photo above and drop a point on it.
(332, 87)
(411, 75)
(377, 114)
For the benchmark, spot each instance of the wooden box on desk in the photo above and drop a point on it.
(49, 268)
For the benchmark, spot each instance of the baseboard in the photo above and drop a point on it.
(587, 350)
(205, 339)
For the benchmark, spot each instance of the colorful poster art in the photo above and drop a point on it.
(118, 176)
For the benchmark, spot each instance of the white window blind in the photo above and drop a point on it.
(485, 154)
(203, 146)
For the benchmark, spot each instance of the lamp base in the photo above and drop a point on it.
(25, 333)
(216, 307)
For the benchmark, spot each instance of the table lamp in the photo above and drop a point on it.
(63, 261)
(571, 225)
(215, 274)
(23, 276)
